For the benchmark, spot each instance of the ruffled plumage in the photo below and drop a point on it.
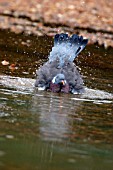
(61, 58)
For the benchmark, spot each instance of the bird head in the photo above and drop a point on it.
(59, 84)
(59, 79)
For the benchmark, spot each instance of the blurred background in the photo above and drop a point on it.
(91, 18)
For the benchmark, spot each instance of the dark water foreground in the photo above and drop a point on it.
(42, 130)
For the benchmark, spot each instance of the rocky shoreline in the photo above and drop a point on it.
(90, 18)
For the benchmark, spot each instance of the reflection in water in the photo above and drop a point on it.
(54, 115)
(58, 116)
(63, 117)
(44, 130)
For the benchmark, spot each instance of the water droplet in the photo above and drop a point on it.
(89, 54)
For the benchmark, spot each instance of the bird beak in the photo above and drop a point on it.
(63, 82)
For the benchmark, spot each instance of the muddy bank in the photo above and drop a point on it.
(91, 18)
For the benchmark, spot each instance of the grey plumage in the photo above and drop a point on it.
(61, 59)
(67, 48)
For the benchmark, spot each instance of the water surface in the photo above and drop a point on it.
(43, 130)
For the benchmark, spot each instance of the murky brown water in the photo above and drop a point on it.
(43, 130)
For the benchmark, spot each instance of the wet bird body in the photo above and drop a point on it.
(60, 74)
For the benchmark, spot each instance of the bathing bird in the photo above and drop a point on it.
(60, 73)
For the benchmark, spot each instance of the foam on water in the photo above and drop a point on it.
(17, 83)
(26, 85)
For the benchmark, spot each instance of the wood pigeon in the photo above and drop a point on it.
(59, 73)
